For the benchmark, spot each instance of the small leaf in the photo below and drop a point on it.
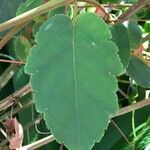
(73, 68)
(22, 47)
(147, 27)
(135, 35)
(121, 38)
(139, 71)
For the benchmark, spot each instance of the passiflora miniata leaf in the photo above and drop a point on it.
(73, 68)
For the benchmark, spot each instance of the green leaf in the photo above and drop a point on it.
(147, 27)
(139, 71)
(22, 47)
(121, 38)
(135, 35)
(73, 68)
(28, 5)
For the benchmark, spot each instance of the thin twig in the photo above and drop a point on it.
(141, 20)
(124, 136)
(27, 16)
(135, 106)
(146, 38)
(39, 143)
(123, 81)
(116, 5)
(7, 74)
(12, 61)
(10, 34)
(13, 98)
(132, 10)
(17, 109)
(108, 5)
(61, 147)
(6, 56)
(123, 93)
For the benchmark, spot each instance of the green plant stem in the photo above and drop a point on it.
(123, 81)
(144, 129)
(133, 124)
(75, 9)
(27, 16)
(7, 56)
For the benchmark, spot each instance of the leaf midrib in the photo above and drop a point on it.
(75, 83)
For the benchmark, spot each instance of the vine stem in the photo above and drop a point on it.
(10, 34)
(39, 143)
(12, 61)
(146, 38)
(27, 16)
(7, 74)
(135, 106)
(13, 98)
(17, 109)
(132, 10)
(133, 124)
(124, 136)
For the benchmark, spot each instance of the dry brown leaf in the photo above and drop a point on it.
(16, 130)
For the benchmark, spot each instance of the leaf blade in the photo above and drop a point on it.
(75, 86)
